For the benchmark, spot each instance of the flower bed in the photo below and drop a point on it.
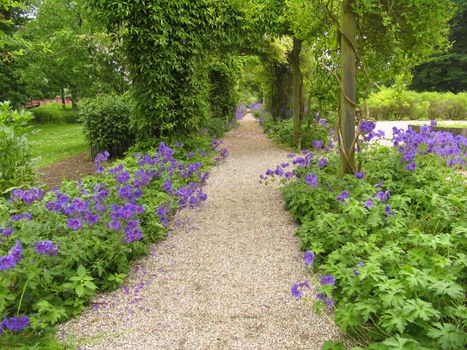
(58, 247)
(388, 241)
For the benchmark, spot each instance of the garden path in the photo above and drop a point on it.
(222, 278)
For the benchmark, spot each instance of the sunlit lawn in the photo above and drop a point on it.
(51, 143)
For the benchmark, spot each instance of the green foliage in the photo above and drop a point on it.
(54, 113)
(281, 131)
(223, 97)
(106, 121)
(64, 50)
(408, 292)
(15, 167)
(392, 104)
(51, 143)
(448, 71)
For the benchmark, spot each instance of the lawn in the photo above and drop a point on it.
(51, 143)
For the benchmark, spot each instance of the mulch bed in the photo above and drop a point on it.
(71, 168)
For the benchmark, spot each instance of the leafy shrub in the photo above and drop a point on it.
(390, 104)
(106, 121)
(59, 247)
(281, 131)
(15, 168)
(54, 113)
(389, 241)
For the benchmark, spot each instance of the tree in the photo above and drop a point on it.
(64, 50)
(447, 72)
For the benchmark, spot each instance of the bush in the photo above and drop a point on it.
(59, 247)
(15, 167)
(390, 104)
(281, 131)
(389, 241)
(106, 121)
(54, 113)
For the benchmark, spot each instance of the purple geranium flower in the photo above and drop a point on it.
(312, 180)
(343, 196)
(328, 279)
(74, 224)
(309, 257)
(369, 203)
(46, 247)
(359, 174)
(16, 324)
(367, 127)
(317, 144)
(411, 166)
(322, 163)
(383, 196)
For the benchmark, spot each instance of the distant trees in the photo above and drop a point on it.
(447, 71)
(55, 48)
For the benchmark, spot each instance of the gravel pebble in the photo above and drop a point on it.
(222, 278)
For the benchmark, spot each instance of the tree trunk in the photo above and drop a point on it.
(281, 83)
(74, 106)
(349, 82)
(62, 95)
(297, 92)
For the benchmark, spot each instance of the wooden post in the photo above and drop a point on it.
(297, 93)
(349, 83)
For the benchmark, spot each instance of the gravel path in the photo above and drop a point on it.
(222, 278)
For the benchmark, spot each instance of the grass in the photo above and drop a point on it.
(51, 143)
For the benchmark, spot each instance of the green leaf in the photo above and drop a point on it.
(81, 271)
(79, 290)
(448, 336)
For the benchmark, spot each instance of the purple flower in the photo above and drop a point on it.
(114, 225)
(116, 169)
(328, 279)
(16, 324)
(312, 180)
(92, 219)
(74, 224)
(79, 205)
(321, 296)
(309, 257)
(295, 290)
(322, 163)
(359, 174)
(411, 166)
(355, 271)
(383, 196)
(297, 293)
(387, 210)
(46, 247)
(16, 251)
(343, 196)
(123, 177)
(369, 203)
(367, 127)
(7, 231)
(7, 262)
(317, 144)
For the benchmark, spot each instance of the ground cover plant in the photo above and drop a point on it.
(313, 127)
(51, 143)
(58, 247)
(388, 241)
